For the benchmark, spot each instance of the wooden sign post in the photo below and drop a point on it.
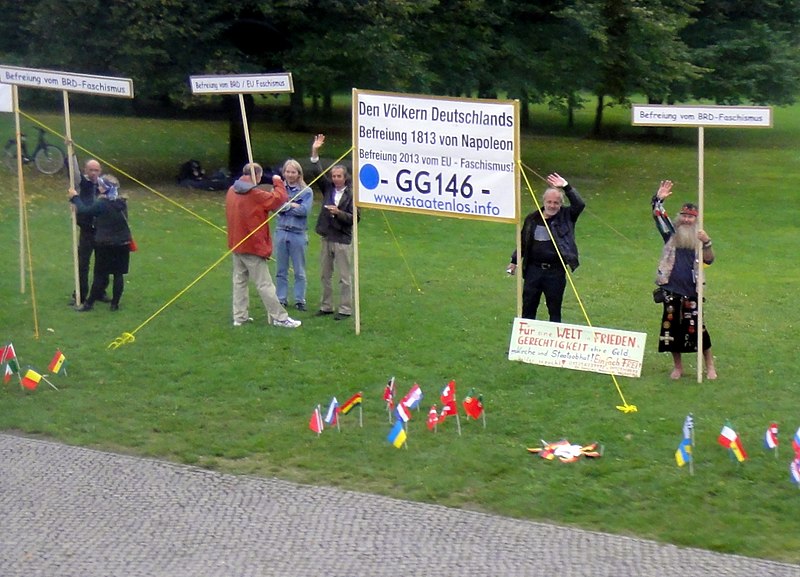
(702, 116)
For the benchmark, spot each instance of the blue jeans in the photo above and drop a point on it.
(290, 245)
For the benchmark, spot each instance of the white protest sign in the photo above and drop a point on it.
(592, 349)
(722, 116)
(6, 104)
(436, 155)
(241, 83)
(67, 81)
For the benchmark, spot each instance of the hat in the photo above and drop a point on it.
(690, 209)
(112, 192)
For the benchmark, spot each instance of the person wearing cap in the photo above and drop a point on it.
(678, 271)
(247, 209)
(112, 239)
(542, 270)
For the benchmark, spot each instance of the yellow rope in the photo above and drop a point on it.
(625, 407)
(400, 250)
(129, 337)
(123, 173)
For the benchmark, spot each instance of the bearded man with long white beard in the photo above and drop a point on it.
(678, 271)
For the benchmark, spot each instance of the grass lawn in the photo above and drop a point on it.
(436, 305)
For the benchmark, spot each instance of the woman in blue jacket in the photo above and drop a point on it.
(291, 235)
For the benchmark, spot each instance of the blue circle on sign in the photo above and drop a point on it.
(368, 176)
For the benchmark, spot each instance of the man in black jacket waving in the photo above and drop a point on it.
(542, 269)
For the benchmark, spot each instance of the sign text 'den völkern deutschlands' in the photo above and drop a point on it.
(449, 157)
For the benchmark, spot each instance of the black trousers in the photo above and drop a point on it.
(549, 282)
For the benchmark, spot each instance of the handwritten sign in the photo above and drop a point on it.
(593, 349)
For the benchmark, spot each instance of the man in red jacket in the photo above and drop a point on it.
(247, 209)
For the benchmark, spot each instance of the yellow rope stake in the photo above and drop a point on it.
(123, 340)
(625, 407)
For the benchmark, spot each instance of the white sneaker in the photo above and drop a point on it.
(289, 323)
(240, 323)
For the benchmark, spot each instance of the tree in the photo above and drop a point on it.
(750, 50)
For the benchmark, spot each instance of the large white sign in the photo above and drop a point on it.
(443, 156)
(729, 116)
(53, 80)
(242, 83)
(593, 349)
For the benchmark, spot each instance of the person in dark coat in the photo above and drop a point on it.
(112, 239)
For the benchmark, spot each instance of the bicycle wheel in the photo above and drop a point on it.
(49, 160)
(10, 158)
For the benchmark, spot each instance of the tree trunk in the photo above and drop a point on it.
(296, 108)
(525, 111)
(598, 116)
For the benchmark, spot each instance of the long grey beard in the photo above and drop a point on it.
(686, 236)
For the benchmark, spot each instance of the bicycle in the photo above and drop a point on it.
(47, 158)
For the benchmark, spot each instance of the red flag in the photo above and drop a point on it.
(448, 398)
(7, 353)
(473, 405)
(31, 379)
(58, 360)
(388, 394)
(433, 418)
(315, 423)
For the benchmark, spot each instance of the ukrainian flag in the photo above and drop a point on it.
(684, 453)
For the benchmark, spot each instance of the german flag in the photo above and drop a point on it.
(350, 403)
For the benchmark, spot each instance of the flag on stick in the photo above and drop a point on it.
(730, 439)
(9, 356)
(315, 423)
(397, 436)
(353, 401)
(794, 471)
(31, 380)
(402, 413)
(388, 395)
(57, 363)
(796, 442)
(7, 353)
(433, 418)
(771, 437)
(449, 405)
(413, 397)
(473, 406)
(448, 398)
(684, 453)
(333, 411)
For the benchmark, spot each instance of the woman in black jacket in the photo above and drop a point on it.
(112, 240)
